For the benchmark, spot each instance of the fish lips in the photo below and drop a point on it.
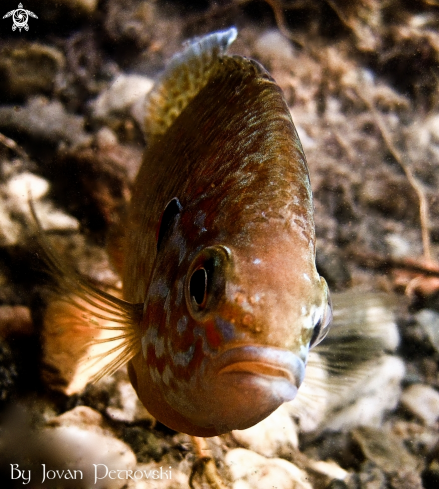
(277, 370)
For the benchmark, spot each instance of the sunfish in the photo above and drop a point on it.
(221, 296)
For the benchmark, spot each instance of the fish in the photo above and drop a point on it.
(221, 298)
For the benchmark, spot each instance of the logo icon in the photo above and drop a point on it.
(20, 16)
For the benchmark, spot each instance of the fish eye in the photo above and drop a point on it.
(198, 286)
(206, 278)
(322, 326)
(172, 209)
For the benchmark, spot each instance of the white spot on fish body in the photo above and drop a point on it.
(256, 261)
(182, 359)
(179, 294)
(160, 347)
(149, 338)
(159, 289)
(182, 324)
(167, 375)
(155, 376)
(306, 277)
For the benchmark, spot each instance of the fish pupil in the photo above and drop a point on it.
(198, 286)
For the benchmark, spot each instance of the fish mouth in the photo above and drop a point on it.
(258, 368)
(269, 364)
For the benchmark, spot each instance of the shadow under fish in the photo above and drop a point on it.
(221, 298)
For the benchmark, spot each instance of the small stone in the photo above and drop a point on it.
(27, 185)
(28, 68)
(272, 48)
(16, 219)
(276, 435)
(52, 219)
(121, 95)
(129, 408)
(432, 125)
(429, 321)
(330, 469)
(252, 471)
(45, 121)
(386, 451)
(15, 320)
(398, 246)
(82, 417)
(423, 402)
(76, 441)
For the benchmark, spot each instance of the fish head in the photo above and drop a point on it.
(228, 327)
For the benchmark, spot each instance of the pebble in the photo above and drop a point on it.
(15, 320)
(252, 471)
(16, 220)
(272, 48)
(384, 449)
(122, 94)
(275, 436)
(73, 441)
(29, 68)
(125, 405)
(422, 401)
(25, 185)
(429, 321)
(45, 121)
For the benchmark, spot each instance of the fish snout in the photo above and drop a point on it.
(250, 382)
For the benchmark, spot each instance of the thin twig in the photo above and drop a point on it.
(386, 263)
(417, 186)
(278, 11)
(11, 144)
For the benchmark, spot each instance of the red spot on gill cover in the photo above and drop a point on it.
(212, 335)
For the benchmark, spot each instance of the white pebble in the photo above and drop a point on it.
(272, 47)
(122, 94)
(423, 402)
(27, 185)
(252, 471)
(276, 435)
(429, 320)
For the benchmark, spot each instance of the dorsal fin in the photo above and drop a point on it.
(186, 74)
